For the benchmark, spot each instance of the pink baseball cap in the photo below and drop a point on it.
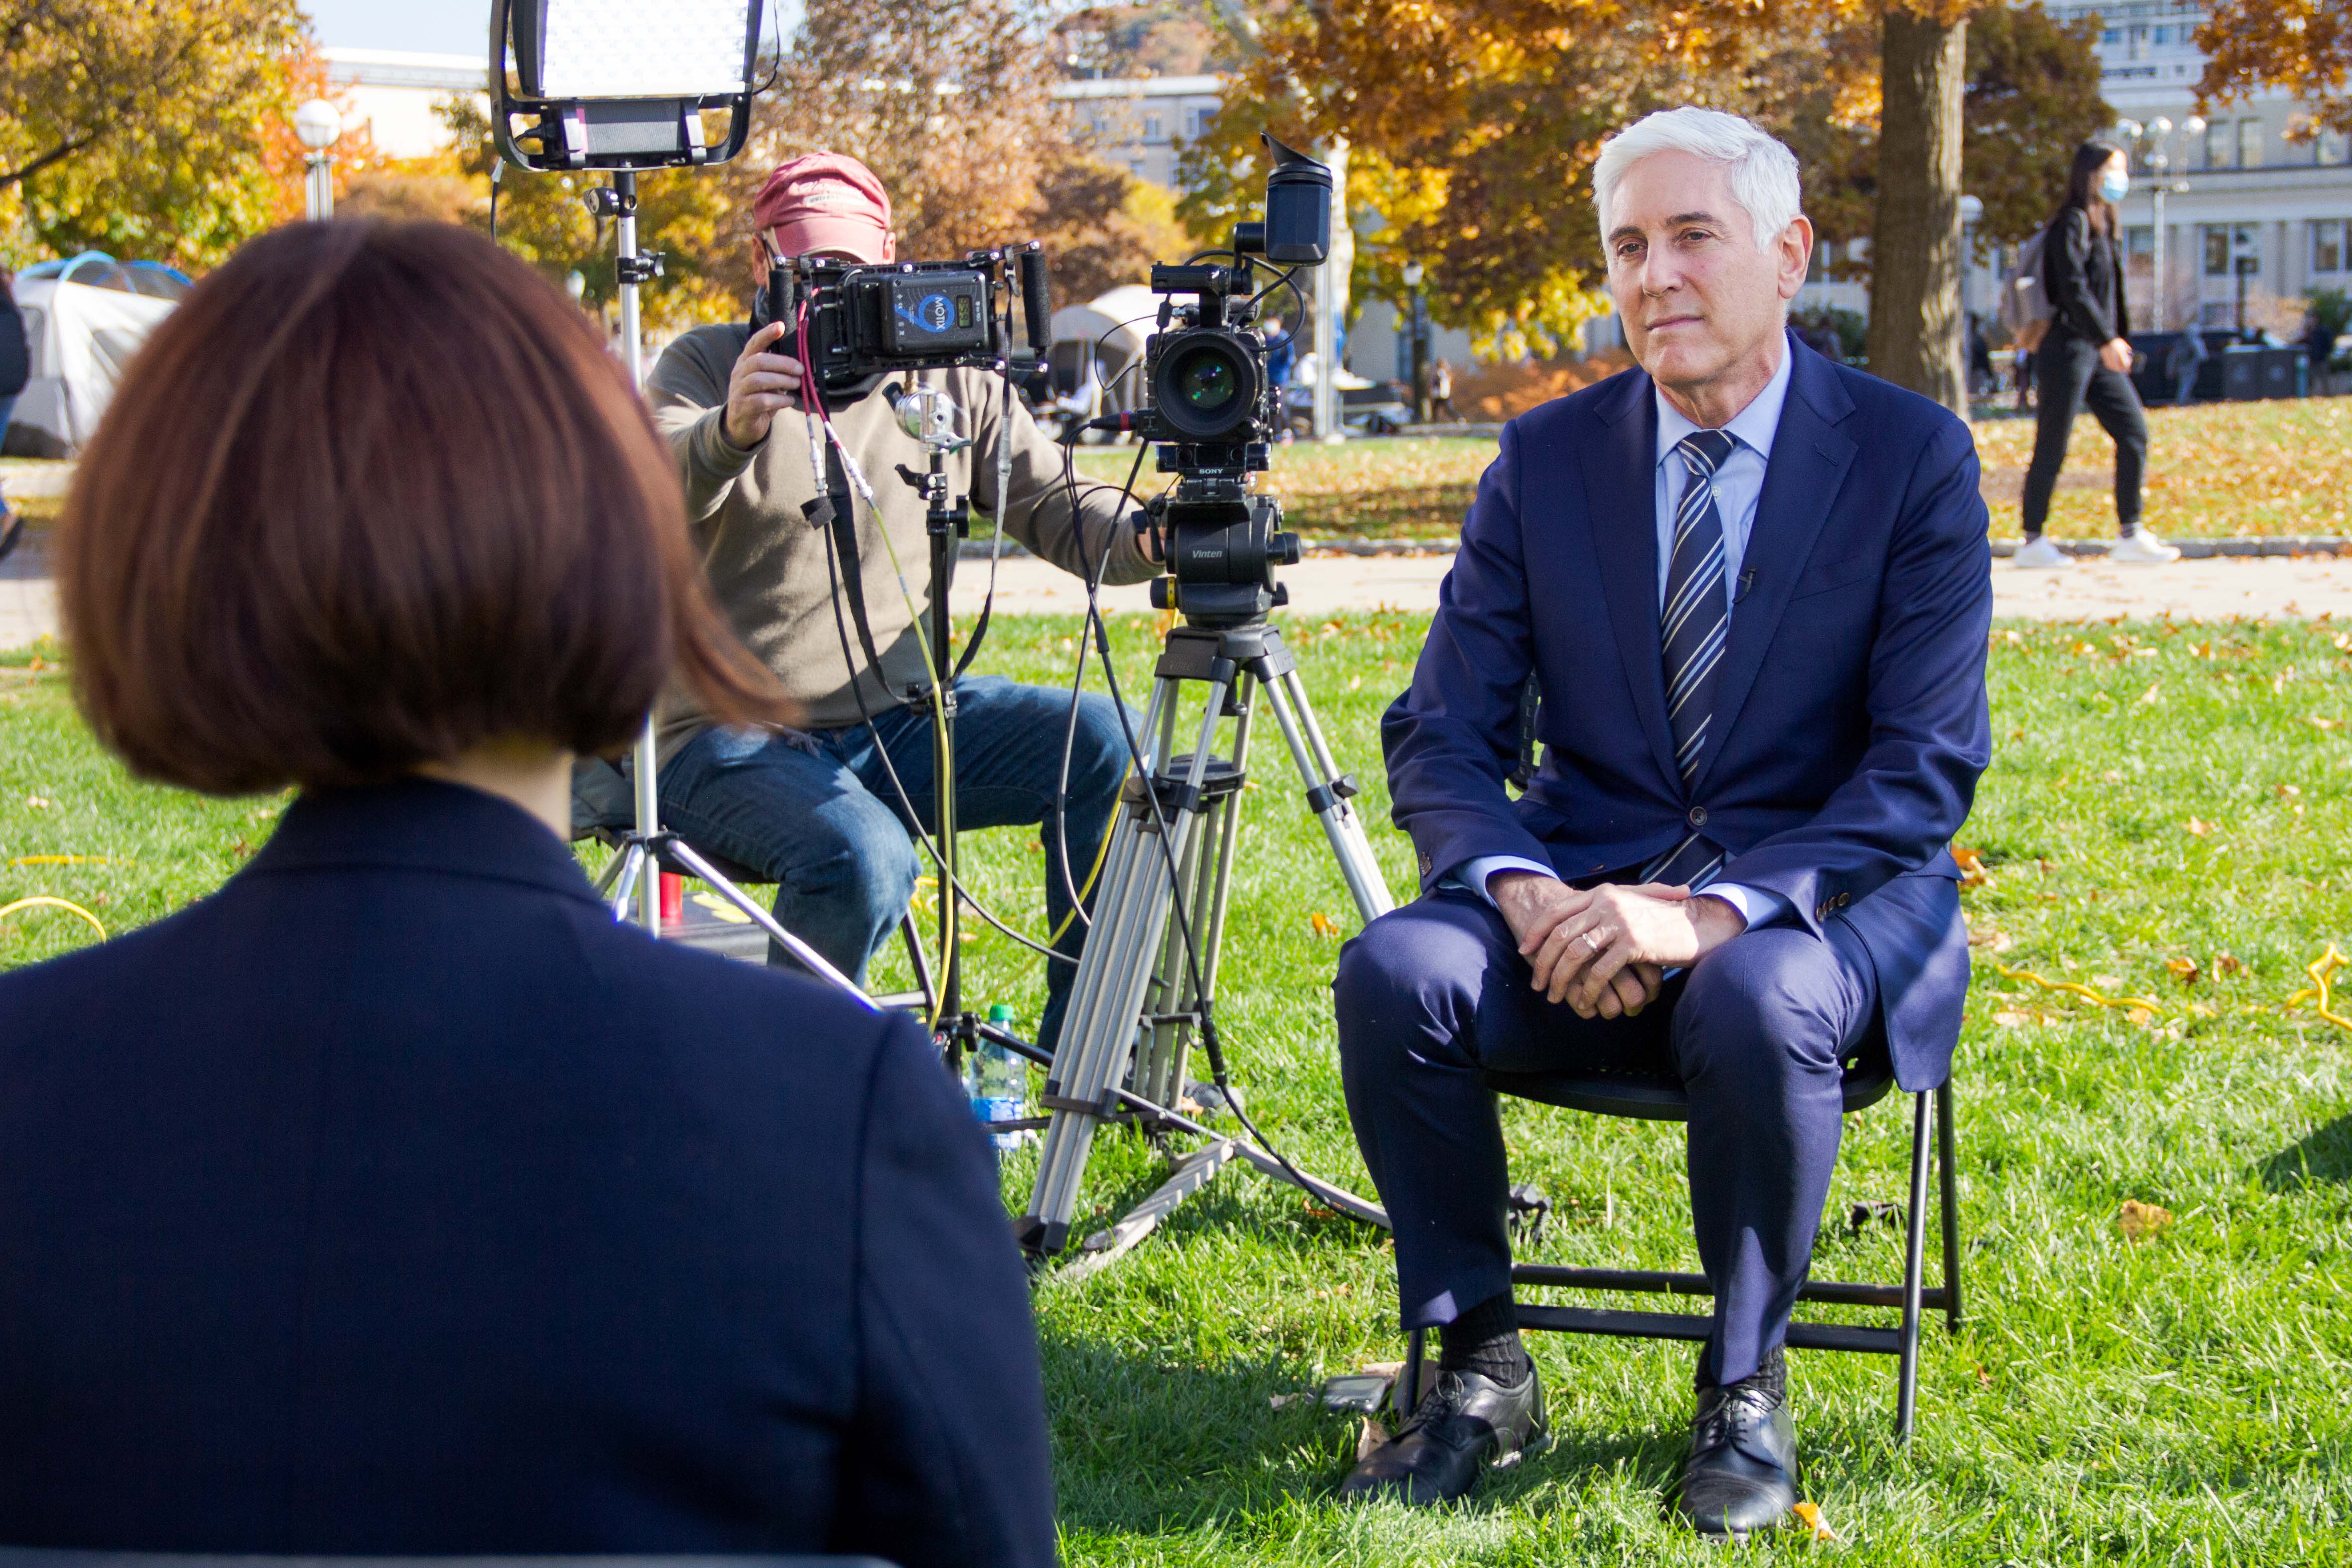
(827, 201)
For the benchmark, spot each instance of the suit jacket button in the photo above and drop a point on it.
(1698, 817)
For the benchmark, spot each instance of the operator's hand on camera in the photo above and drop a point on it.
(762, 384)
(1534, 906)
(2117, 355)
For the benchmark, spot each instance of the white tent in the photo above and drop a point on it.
(82, 336)
(1096, 349)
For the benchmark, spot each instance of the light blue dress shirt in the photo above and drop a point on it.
(1738, 485)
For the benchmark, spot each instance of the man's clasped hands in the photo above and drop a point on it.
(1605, 950)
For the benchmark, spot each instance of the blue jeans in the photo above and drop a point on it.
(815, 813)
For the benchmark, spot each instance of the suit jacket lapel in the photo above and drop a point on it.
(1622, 508)
(1809, 459)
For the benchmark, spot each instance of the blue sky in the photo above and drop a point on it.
(437, 26)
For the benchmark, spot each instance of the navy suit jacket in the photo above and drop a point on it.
(1851, 705)
(395, 1200)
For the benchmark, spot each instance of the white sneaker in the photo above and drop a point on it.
(2143, 549)
(2041, 554)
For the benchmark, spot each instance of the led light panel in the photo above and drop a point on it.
(640, 49)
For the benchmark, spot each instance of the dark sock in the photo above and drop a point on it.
(1484, 1340)
(2032, 536)
(2127, 530)
(1772, 1376)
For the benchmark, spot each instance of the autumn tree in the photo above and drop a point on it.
(2031, 97)
(2301, 45)
(1472, 125)
(146, 127)
(950, 105)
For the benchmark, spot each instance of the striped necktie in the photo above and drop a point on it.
(1692, 627)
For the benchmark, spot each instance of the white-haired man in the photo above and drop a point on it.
(1754, 589)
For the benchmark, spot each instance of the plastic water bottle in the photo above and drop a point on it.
(999, 1084)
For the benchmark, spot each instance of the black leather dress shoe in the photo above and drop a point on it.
(1742, 1471)
(1466, 1423)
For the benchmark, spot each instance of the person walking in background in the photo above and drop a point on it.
(2186, 358)
(15, 370)
(2085, 360)
(1441, 392)
(1983, 380)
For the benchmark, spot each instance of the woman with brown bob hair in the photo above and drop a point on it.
(394, 1199)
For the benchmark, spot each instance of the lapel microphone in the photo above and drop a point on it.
(1746, 581)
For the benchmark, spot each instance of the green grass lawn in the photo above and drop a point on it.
(2214, 469)
(2163, 795)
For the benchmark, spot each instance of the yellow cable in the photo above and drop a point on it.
(2318, 995)
(2319, 969)
(1101, 851)
(44, 900)
(2084, 992)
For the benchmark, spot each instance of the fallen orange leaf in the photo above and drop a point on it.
(2142, 1222)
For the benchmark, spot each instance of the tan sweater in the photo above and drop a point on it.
(768, 564)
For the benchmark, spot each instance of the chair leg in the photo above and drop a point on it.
(1408, 1393)
(1906, 1396)
(1948, 1173)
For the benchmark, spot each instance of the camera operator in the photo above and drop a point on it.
(814, 809)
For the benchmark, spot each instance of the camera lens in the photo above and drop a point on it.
(1207, 384)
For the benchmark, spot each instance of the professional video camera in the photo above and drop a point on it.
(867, 321)
(1213, 408)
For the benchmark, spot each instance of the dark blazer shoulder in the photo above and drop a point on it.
(1898, 419)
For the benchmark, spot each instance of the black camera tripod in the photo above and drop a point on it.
(1145, 978)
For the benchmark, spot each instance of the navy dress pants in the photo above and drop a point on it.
(1434, 994)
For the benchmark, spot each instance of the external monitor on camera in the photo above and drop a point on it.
(866, 321)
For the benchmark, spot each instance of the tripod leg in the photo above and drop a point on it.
(625, 884)
(1343, 826)
(1158, 1076)
(1098, 1033)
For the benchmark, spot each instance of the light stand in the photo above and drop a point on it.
(926, 414)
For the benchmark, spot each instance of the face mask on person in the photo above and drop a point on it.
(2114, 186)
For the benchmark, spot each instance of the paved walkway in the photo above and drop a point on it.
(2272, 587)
(1325, 585)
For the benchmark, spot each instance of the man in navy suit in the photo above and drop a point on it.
(1754, 589)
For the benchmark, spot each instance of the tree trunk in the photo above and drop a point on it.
(1916, 337)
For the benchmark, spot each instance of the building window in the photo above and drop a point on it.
(2139, 251)
(2217, 144)
(2249, 144)
(1151, 128)
(2327, 246)
(2224, 241)
(1819, 270)
(1196, 122)
(2332, 147)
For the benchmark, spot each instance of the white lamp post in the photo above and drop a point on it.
(319, 124)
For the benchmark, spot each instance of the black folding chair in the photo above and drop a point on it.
(1661, 1098)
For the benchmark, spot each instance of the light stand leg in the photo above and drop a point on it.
(633, 355)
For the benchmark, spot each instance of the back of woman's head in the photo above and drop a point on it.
(373, 495)
(2083, 175)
